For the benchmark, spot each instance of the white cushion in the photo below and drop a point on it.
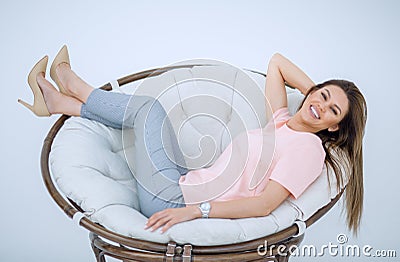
(87, 161)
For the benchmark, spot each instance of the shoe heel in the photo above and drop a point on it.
(22, 102)
(39, 107)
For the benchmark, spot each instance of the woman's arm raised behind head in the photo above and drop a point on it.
(281, 71)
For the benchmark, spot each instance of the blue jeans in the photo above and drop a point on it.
(157, 160)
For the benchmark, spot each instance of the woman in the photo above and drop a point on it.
(331, 119)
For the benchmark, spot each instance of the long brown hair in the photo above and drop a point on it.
(347, 142)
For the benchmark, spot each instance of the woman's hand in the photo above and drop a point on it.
(172, 216)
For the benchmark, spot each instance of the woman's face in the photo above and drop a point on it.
(325, 108)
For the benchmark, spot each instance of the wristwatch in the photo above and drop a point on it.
(205, 208)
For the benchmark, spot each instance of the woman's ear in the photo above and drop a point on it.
(333, 128)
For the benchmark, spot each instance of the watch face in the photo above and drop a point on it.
(205, 206)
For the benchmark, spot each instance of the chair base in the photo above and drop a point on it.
(178, 253)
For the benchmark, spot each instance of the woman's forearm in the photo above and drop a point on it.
(292, 74)
(240, 208)
(262, 205)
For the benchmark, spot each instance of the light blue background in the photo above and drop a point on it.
(356, 40)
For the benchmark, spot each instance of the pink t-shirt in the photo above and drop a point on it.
(276, 152)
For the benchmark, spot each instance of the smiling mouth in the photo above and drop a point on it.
(314, 112)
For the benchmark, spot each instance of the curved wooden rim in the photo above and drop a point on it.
(70, 209)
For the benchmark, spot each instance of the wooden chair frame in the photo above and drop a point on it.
(130, 249)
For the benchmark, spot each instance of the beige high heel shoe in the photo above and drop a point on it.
(39, 107)
(61, 57)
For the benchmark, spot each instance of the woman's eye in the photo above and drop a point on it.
(323, 96)
(334, 111)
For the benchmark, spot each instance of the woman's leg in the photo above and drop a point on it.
(157, 160)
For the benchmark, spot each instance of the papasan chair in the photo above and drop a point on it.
(86, 173)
